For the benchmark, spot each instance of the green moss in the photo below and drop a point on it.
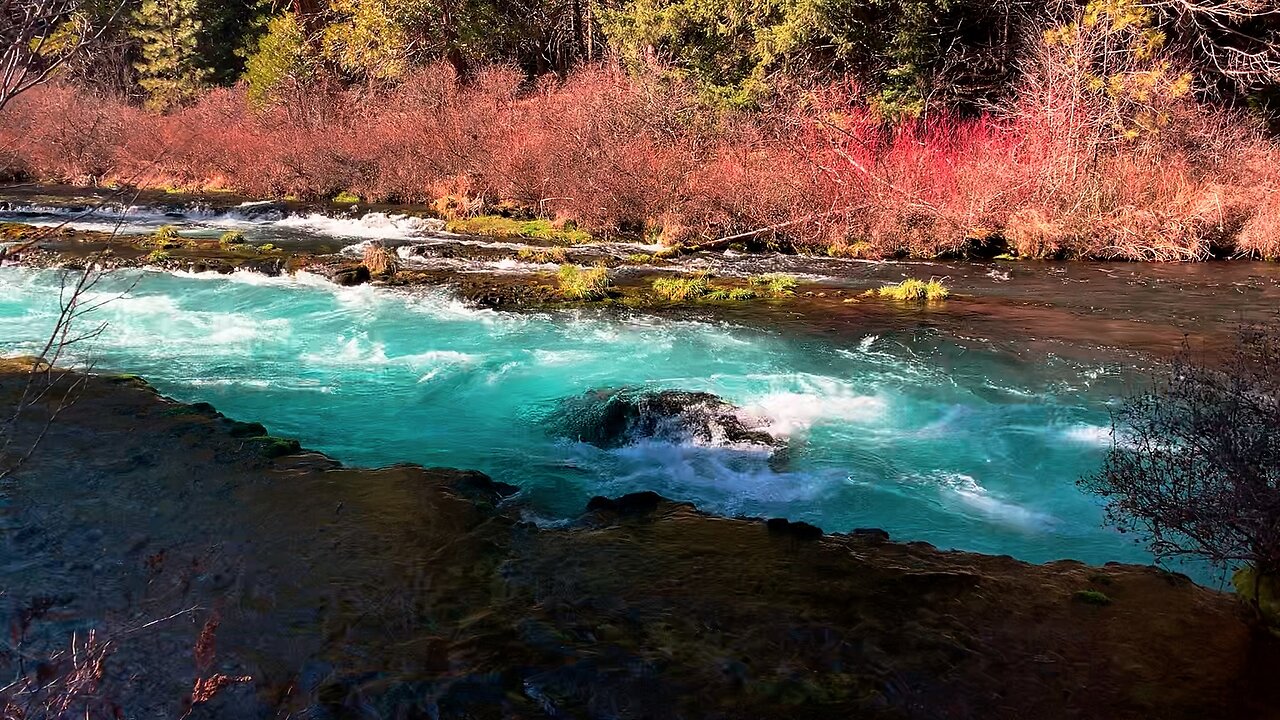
(346, 198)
(681, 289)
(1091, 597)
(915, 290)
(639, 259)
(230, 238)
(498, 226)
(775, 284)
(274, 447)
(584, 283)
(200, 408)
(267, 247)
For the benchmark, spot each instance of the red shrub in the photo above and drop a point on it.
(616, 154)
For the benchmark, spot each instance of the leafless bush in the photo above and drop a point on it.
(1195, 462)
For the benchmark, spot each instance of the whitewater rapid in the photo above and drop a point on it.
(930, 439)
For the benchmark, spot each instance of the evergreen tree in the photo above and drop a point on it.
(229, 34)
(170, 71)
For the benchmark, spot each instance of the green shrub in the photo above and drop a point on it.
(775, 284)
(346, 198)
(157, 256)
(681, 289)
(915, 290)
(584, 283)
(231, 237)
(742, 294)
(717, 295)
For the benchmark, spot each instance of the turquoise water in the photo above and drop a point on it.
(931, 438)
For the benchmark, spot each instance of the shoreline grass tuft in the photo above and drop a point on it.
(537, 229)
(681, 289)
(578, 283)
(775, 284)
(913, 290)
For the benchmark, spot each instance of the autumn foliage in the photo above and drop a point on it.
(613, 153)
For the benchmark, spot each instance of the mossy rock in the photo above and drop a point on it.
(127, 379)
(247, 429)
(200, 408)
(274, 447)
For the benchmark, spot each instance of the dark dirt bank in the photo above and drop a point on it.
(409, 592)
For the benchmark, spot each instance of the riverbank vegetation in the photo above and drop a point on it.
(1107, 129)
(1194, 464)
(915, 290)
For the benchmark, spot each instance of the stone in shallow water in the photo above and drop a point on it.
(616, 418)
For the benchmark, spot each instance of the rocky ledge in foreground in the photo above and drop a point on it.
(412, 592)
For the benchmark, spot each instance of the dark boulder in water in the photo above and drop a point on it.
(617, 418)
(797, 530)
(631, 504)
(350, 275)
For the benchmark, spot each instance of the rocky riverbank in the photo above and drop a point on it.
(412, 592)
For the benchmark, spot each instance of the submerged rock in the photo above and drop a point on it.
(616, 418)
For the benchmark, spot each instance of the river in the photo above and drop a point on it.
(965, 425)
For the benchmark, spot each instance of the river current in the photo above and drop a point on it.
(964, 427)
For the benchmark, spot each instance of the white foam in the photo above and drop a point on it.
(561, 357)
(1093, 435)
(977, 498)
(724, 478)
(803, 400)
(374, 225)
(358, 352)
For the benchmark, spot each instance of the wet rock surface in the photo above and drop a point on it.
(411, 592)
(613, 418)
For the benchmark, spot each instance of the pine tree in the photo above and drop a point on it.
(170, 70)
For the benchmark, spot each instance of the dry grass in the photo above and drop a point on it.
(63, 685)
(380, 261)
